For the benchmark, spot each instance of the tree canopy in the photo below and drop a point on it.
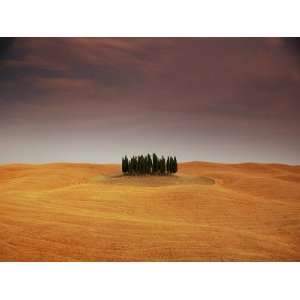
(149, 164)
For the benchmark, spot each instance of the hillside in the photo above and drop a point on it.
(206, 212)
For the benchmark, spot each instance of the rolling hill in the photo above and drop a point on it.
(206, 212)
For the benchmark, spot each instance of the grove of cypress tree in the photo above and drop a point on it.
(141, 165)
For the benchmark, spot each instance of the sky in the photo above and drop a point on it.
(201, 99)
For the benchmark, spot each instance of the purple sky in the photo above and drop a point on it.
(96, 99)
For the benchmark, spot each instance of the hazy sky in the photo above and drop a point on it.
(96, 99)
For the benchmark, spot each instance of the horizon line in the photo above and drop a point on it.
(114, 163)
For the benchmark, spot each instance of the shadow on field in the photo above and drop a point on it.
(152, 181)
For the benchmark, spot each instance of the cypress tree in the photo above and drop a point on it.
(155, 164)
(162, 166)
(126, 164)
(149, 164)
(171, 164)
(175, 164)
(158, 165)
(130, 167)
(135, 162)
(168, 165)
(139, 166)
(133, 165)
(145, 164)
(142, 165)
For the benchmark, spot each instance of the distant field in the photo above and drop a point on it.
(206, 212)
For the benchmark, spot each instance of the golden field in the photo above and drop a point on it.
(206, 212)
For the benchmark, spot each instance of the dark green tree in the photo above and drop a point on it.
(135, 164)
(123, 165)
(155, 165)
(139, 165)
(175, 165)
(130, 167)
(162, 166)
(132, 163)
(168, 165)
(146, 164)
(171, 164)
(142, 164)
(149, 164)
(126, 163)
